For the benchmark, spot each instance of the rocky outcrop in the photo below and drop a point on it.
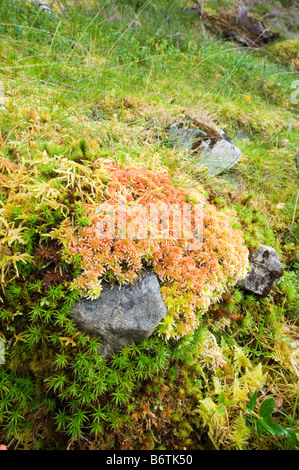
(123, 314)
(265, 269)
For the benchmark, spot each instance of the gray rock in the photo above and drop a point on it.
(123, 314)
(220, 157)
(217, 152)
(265, 269)
(42, 5)
(181, 135)
(224, 136)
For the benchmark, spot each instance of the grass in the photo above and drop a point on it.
(105, 80)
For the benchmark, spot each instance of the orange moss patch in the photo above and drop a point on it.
(190, 279)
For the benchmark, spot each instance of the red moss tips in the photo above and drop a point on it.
(190, 280)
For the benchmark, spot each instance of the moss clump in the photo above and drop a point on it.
(62, 204)
(103, 97)
(287, 52)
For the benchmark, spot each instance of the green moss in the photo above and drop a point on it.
(108, 91)
(286, 52)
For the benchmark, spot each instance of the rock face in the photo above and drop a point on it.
(122, 314)
(265, 269)
(216, 150)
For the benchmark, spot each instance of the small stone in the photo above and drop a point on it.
(123, 314)
(265, 269)
(42, 5)
(216, 151)
(221, 157)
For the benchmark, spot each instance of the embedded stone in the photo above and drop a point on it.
(220, 157)
(264, 270)
(216, 151)
(123, 314)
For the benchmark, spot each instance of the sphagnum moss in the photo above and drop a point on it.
(56, 391)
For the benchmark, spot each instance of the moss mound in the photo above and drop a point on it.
(287, 52)
(51, 254)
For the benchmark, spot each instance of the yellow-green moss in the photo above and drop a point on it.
(287, 52)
